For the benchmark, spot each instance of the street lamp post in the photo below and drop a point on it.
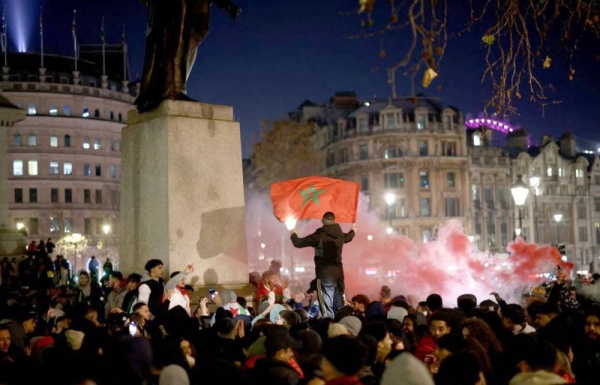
(390, 198)
(519, 193)
(534, 182)
(106, 230)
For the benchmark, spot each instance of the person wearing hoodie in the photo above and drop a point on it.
(328, 242)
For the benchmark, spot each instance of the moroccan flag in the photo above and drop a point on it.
(313, 196)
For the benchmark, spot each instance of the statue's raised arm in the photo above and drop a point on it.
(175, 30)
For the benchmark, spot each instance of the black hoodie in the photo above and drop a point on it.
(328, 241)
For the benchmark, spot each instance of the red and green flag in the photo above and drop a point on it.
(313, 196)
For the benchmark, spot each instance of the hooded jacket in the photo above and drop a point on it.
(328, 241)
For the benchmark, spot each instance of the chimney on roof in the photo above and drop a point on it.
(517, 139)
(546, 139)
(568, 145)
(345, 100)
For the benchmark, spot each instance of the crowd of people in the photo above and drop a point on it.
(145, 329)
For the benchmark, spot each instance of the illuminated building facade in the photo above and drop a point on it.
(65, 157)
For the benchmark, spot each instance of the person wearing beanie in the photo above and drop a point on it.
(406, 369)
(398, 313)
(177, 294)
(328, 242)
(336, 329)
(343, 358)
(173, 374)
(74, 338)
(352, 323)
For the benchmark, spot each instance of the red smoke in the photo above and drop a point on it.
(449, 265)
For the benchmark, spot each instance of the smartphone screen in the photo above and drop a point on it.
(132, 328)
(212, 292)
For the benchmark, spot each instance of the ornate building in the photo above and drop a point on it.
(409, 156)
(64, 159)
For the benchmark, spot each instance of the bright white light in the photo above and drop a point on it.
(86, 114)
(564, 258)
(369, 237)
(20, 225)
(299, 269)
(106, 229)
(486, 264)
(558, 217)
(389, 230)
(261, 257)
(371, 271)
(518, 232)
(471, 239)
(367, 104)
(262, 245)
(290, 224)
(390, 198)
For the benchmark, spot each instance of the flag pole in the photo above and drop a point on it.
(42, 36)
(75, 36)
(103, 47)
(4, 36)
(124, 54)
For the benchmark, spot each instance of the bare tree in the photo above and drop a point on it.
(521, 37)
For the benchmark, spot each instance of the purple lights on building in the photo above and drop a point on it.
(489, 123)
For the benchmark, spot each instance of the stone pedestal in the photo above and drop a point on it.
(42, 74)
(76, 79)
(182, 198)
(104, 81)
(5, 73)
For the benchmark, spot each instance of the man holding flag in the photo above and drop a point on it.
(309, 198)
(328, 241)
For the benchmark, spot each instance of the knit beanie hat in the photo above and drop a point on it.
(352, 323)
(397, 312)
(173, 374)
(540, 377)
(406, 369)
(335, 330)
(74, 338)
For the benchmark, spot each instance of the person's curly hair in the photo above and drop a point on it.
(482, 332)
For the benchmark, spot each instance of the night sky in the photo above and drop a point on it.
(281, 52)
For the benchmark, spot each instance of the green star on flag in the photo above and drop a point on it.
(311, 194)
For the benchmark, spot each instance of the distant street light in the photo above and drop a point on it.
(519, 193)
(390, 198)
(534, 182)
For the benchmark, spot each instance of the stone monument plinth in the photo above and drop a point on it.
(182, 195)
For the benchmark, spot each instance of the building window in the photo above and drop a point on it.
(68, 225)
(491, 230)
(488, 195)
(17, 140)
(578, 173)
(581, 210)
(33, 226)
(32, 167)
(68, 168)
(96, 113)
(97, 144)
(364, 183)
(54, 168)
(364, 152)
(67, 111)
(597, 203)
(54, 195)
(449, 148)
(32, 195)
(421, 121)
(112, 145)
(17, 167)
(391, 152)
(113, 171)
(423, 148)
(425, 207)
(120, 117)
(549, 171)
(597, 227)
(54, 225)
(343, 155)
(53, 110)
(86, 112)
(447, 122)
(424, 177)
(86, 142)
(87, 170)
(99, 223)
(87, 196)
(31, 109)
(54, 141)
(427, 234)
(451, 180)
(402, 208)
(68, 195)
(390, 121)
(477, 139)
(362, 125)
(393, 180)
(583, 236)
(32, 140)
(67, 140)
(18, 195)
(112, 115)
(98, 170)
(87, 226)
(596, 179)
(452, 207)
(99, 197)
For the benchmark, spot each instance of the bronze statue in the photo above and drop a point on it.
(175, 30)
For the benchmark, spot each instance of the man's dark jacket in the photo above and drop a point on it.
(328, 241)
